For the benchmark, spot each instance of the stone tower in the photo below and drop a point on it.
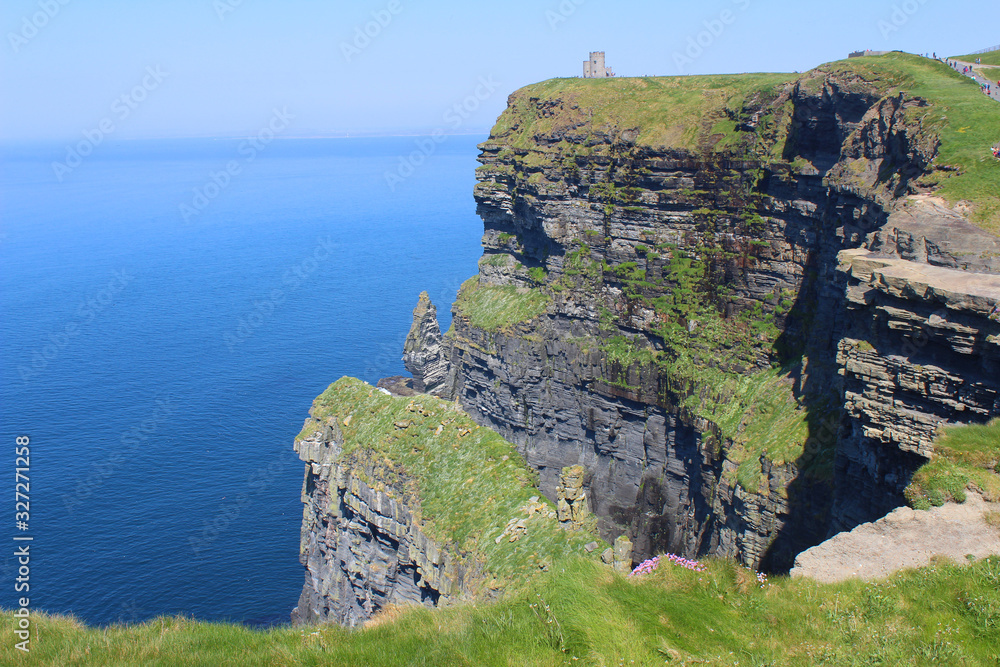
(594, 68)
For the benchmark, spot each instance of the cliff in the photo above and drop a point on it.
(407, 501)
(733, 300)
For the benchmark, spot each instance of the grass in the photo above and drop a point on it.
(623, 351)
(667, 110)
(464, 483)
(988, 58)
(493, 308)
(965, 121)
(496, 259)
(963, 456)
(585, 614)
(760, 413)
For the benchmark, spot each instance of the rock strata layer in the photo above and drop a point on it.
(361, 547)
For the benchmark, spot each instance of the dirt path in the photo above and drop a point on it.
(903, 538)
(978, 77)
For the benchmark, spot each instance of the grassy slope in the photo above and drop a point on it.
(964, 455)
(965, 120)
(988, 58)
(470, 481)
(585, 614)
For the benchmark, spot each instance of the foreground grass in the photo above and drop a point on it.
(585, 614)
(963, 456)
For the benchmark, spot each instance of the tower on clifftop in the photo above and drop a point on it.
(594, 68)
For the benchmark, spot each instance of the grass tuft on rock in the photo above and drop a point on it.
(964, 457)
(496, 307)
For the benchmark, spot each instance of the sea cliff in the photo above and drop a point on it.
(738, 307)
(744, 312)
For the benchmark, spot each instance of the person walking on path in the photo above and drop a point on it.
(984, 83)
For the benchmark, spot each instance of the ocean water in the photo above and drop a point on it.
(162, 363)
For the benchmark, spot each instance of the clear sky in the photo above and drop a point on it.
(220, 67)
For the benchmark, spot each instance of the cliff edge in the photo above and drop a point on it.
(408, 501)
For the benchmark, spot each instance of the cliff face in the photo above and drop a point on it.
(361, 546)
(920, 347)
(407, 501)
(633, 297)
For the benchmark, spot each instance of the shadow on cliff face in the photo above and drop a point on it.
(810, 493)
(808, 345)
(652, 530)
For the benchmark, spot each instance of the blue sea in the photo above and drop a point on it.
(168, 312)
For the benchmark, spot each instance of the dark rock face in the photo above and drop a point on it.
(656, 471)
(362, 547)
(653, 472)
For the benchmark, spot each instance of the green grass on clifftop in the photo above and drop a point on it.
(964, 456)
(492, 308)
(667, 110)
(965, 120)
(988, 58)
(695, 112)
(470, 481)
(585, 614)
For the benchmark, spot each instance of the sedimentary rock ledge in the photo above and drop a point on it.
(903, 538)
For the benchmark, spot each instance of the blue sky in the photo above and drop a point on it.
(221, 67)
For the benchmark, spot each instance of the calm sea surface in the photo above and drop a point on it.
(162, 363)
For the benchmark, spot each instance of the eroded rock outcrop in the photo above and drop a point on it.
(920, 348)
(424, 357)
(571, 504)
